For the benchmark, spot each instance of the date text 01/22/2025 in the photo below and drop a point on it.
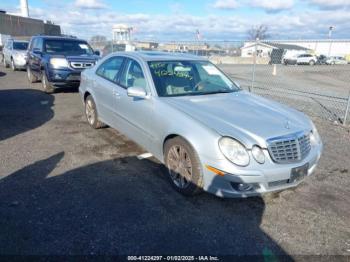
(173, 258)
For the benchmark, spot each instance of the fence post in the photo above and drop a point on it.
(347, 110)
(254, 64)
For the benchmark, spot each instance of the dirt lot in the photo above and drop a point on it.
(68, 189)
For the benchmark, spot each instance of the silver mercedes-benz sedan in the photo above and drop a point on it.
(209, 133)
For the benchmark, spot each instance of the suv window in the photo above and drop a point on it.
(20, 45)
(133, 75)
(37, 44)
(8, 44)
(66, 46)
(110, 68)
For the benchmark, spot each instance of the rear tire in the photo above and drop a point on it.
(312, 62)
(47, 86)
(91, 113)
(183, 166)
(31, 78)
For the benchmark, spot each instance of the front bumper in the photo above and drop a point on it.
(268, 177)
(20, 61)
(64, 76)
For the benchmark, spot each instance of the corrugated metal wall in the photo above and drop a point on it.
(23, 26)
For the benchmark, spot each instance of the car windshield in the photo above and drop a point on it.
(20, 45)
(65, 47)
(184, 78)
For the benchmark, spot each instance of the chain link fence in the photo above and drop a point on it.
(312, 76)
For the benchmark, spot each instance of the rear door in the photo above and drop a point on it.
(104, 88)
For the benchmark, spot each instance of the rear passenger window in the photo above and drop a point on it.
(110, 68)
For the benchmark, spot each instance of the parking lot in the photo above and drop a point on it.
(319, 90)
(66, 188)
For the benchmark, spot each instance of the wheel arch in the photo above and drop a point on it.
(86, 94)
(173, 135)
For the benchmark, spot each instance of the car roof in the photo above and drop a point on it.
(160, 56)
(59, 37)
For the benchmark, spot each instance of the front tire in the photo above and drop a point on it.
(183, 166)
(312, 62)
(13, 66)
(47, 86)
(91, 113)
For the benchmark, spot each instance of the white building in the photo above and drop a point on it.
(264, 49)
(121, 33)
(319, 47)
(325, 47)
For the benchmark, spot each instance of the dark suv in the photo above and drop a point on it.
(58, 61)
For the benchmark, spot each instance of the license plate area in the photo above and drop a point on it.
(74, 78)
(298, 173)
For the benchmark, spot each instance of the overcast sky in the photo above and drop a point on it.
(179, 20)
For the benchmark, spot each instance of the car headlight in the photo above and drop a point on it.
(234, 151)
(58, 62)
(258, 154)
(314, 136)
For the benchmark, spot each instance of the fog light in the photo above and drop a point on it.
(258, 154)
(244, 187)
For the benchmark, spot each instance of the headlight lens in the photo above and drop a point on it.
(234, 151)
(258, 154)
(58, 62)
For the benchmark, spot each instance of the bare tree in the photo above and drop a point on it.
(98, 38)
(260, 31)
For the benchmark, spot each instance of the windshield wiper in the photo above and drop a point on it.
(213, 92)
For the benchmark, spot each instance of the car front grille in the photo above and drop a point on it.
(289, 149)
(81, 65)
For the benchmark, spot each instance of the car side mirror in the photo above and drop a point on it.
(97, 53)
(37, 51)
(137, 92)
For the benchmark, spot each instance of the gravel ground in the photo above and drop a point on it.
(68, 189)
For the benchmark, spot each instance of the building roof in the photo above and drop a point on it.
(278, 46)
(286, 46)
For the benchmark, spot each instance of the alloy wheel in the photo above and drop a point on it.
(90, 112)
(179, 166)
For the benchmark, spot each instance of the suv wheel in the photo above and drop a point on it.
(91, 113)
(312, 62)
(31, 78)
(13, 66)
(183, 166)
(47, 86)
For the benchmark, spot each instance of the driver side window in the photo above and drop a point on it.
(133, 75)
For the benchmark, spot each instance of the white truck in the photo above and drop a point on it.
(3, 39)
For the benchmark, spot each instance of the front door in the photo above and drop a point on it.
(135, 115)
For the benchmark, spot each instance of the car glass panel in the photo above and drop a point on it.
(180, 78)
(65, 47)
(20, 46)
(133, 75)
(110, 68)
